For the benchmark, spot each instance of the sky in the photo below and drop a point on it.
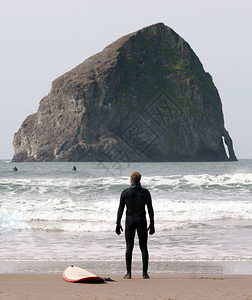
(42, 39)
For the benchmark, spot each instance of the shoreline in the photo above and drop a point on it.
(117, 267)
(159, 286)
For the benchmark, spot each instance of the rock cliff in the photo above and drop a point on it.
(145, 97)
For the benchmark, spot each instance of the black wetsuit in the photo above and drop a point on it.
(136, 198)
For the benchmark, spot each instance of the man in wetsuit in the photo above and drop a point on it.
(135, 198)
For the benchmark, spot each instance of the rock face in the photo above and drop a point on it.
(145, 97)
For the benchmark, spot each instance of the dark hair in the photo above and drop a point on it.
(135, 176)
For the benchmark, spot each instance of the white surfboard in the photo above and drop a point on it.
(76, 274)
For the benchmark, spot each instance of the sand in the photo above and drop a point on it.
(168, 287)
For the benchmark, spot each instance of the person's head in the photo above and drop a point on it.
(135, 177)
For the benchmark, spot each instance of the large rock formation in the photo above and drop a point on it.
(145, 97)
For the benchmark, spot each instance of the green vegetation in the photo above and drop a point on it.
(146, 70)
(149, 66)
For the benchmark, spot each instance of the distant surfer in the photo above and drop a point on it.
(74, 168)
(15, 169)
(136, 198)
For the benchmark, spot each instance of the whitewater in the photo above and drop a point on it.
(203, 211)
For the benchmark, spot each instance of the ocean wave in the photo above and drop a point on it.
(89, 203)
(111, 183)
(69, 215)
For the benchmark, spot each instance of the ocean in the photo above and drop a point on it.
(52, 216)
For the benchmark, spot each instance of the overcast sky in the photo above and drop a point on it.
(42, 39)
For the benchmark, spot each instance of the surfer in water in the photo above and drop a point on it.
(136, 198)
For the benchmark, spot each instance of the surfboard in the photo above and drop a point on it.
(76, 274)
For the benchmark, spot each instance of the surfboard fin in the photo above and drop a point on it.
(109, 279)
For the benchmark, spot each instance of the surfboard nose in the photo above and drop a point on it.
(77, 274)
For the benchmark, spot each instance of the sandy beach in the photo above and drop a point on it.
(160, 286)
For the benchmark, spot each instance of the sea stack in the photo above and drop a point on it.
(145, 97)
